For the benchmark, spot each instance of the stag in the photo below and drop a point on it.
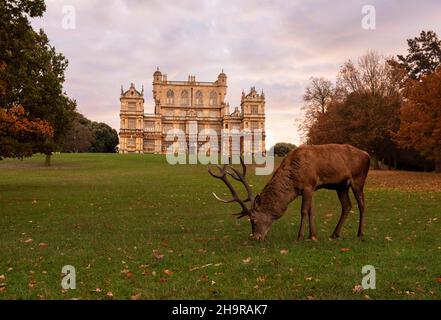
(303, 171)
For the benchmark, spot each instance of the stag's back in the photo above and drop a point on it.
(324, 165)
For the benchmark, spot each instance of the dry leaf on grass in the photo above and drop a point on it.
(357, 289)
(344, 249)
(247, 260)
(43, 245)
(168, 272)
(284, 251)
(136, 296)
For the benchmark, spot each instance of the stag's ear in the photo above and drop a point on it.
(256, 201)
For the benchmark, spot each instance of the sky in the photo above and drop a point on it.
(275, 46)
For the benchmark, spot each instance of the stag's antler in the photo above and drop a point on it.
(238, 176)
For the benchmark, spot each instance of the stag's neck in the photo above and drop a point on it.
(278, 194)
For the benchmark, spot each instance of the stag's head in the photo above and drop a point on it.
(260, 219)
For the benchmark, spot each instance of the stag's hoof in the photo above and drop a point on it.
(335, 236)
(313, 238)
(300, 238)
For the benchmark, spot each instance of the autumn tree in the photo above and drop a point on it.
(420, 126)
(364, 107)
(33, 73)
(318, 95)
(424, 55)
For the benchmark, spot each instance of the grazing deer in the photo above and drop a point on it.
(302, 171)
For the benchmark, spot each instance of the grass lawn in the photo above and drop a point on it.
(137, 227)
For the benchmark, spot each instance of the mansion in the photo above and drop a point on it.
(185, 104)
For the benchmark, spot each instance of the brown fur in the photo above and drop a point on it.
(304, 170)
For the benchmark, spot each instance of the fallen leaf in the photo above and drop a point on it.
(2, 277)
(357, 289)
(388, 238)
(43, 245)
(438, 279)
(28, 240)
(136, 297)
(247, 260)
(157, 255)
(167, 272)
(97, 290)
(284, 251)
(109, 294)
(344, 249)
(312, 297)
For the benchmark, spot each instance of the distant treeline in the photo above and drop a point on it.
(89, 136)
(389, 107)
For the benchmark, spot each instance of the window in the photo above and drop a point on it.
(184, 98)
(254, 109)
(213, 98)
(149, 145)
(199, 98)
(131, 142)
(132, 123)
(149, 126)
(167, 127)
(254, 125)
(170, 97)
(132, 106)
(214, 114)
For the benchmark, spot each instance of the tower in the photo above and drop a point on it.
(131, 117)
(253, 122)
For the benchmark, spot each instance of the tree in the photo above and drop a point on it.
(105, 138)
(16, 132)
(316, 99)
(33, 73)
(420, 126)
(281, 149)
(79, 138)
(424, 55)
(364, 107)
(89, 136)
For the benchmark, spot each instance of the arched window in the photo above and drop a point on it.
(213, 98)
(199, 98)
(170, 97)
(184, 97)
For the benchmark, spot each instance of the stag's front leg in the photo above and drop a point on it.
(306, 206)
(312, 227)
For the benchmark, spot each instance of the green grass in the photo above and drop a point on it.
(110, 215)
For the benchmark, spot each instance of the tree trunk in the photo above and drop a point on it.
(438, 166)
(375, 163)
(47, 163)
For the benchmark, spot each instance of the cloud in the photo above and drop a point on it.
(273, 45)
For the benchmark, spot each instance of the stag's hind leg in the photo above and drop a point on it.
(359, 195)
(346, 206)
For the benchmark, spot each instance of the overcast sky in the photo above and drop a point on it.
(272, 45)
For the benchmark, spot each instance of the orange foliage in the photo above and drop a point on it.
(421, 117)
(13, 122)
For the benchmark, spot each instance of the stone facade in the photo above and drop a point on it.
(179, 104)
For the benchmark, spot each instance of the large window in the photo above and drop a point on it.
(131, 142)
(254, 109)
(213, 98)
(184, 98)
(132, 124)
(132, 106)
(170, 97)
(149, 126)
(199, 98)
(254, 125)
